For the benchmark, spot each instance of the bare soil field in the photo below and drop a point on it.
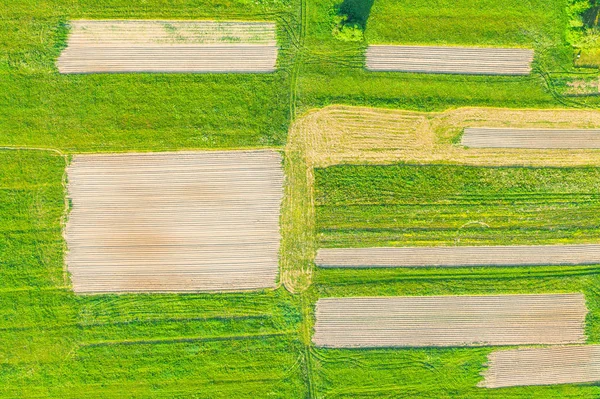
(451, 60)
(363, 322)
(515, 255)
(530, 138)
(174, 222)
(542, 366)
(169, 46)
(344, 134)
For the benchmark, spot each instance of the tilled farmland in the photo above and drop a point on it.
(451, 60)
(531, 138)
(363, 322)
(174, 222)
(509, 255)
(542, 366)
(169, 46)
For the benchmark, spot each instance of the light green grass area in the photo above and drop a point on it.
(58, 345)
(118, 112)
(405, 205)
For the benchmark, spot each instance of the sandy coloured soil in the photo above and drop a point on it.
(363, 322)
(453, 60)
(174, 222)
(515, 255)
(169, 46)
(542, 366)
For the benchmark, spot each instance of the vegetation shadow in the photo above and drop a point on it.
(356, 11)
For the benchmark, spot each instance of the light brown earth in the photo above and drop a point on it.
(486, 137)
(516, 255)
(174, 222)
(169, 46)
(453, 60)
(542, 366)
(449, 321)
(344, 134)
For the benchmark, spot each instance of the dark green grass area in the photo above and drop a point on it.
(118, 112)
(59, 345)
(445, 372)
(403, 205)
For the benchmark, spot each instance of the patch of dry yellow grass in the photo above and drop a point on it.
(343, 134)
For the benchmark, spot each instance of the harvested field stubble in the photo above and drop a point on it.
(169, 46)
(542, 366)
(185, 221)
(515, 255)
(531, 138)
(362, 322)
(344, 134)
(452, 60)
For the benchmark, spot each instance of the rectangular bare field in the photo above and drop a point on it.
(453, 60)
(450, 321)
(169, 46)
(174, 222)
(513, 255)
(542, 366)
(483, 137)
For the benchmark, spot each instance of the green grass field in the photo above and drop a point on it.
(59, 345)
(118, 112)
(456, 205)
(55, 344)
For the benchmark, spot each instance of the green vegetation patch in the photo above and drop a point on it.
(59, 345)
(119, 112)
(468, 22)
(404, 205)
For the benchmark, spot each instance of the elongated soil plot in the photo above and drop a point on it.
(364, 322)
(542, 366)
(516, 255)
(117, 46)
(451, 60)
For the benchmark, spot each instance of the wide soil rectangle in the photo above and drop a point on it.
(363, 322)
(183, 221)
(542, 366)
(169, 46)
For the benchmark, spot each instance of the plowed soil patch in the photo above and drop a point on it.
(531, 138)
(185, 221)
(453, 60)
(522, 255)
(449, 321)
(543, 366)
(169, 46)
